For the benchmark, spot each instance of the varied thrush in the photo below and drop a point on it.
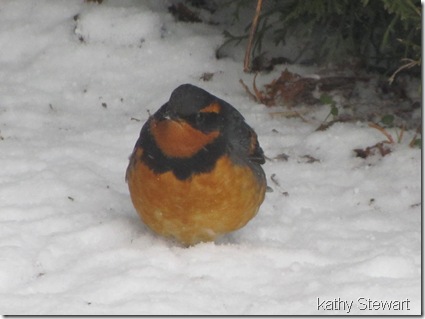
(195, 172)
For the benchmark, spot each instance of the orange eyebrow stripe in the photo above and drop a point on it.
(212, 108)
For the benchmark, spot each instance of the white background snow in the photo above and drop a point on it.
(74, 93)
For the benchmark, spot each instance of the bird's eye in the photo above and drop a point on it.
(200, 118)
(205, 121)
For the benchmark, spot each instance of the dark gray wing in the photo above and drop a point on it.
(243, 141)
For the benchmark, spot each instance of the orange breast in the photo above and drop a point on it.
(199, 208)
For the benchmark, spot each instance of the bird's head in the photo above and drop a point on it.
(188, 122)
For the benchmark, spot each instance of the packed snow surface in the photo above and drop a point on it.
(338, 234)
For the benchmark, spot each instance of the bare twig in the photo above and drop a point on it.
(254, 86)
(383, 131)
(409, 64)
(252, 96)
(400, 135)
(413, 141)
(247, 60)
(290, 114)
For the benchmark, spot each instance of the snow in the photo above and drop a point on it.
(76, 85)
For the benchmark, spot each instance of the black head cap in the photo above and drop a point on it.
(188, 99)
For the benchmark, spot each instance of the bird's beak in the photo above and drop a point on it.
(167, 115)
(170, 116)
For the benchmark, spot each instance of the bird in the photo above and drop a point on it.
(195, 171)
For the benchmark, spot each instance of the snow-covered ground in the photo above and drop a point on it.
(338, 233)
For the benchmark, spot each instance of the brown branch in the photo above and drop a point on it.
(252, 96)
(247, 60)
(400, 136)
(256, 91)
(383, 131)
(410, 64)
(413, 141)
